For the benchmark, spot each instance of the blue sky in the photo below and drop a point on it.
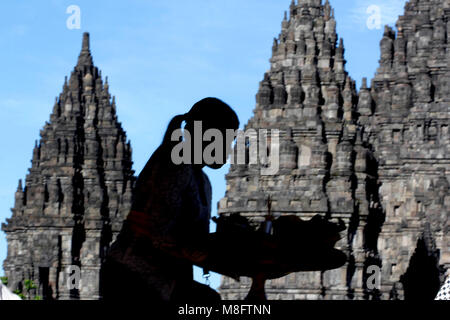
(161, 56)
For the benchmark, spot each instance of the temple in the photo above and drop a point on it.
(76, 194)
(377, 158)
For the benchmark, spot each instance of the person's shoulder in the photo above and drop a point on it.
(165, 169)
(161, 171)
(160, 162)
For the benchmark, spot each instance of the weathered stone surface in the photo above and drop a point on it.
(378, 158)
(77, 192)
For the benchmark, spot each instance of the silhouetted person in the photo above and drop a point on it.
(169, 219)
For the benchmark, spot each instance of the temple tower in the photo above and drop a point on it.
(310, 98)
(378, 159)
(409, 132)
(77, 192)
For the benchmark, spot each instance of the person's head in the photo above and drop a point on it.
(211, 116)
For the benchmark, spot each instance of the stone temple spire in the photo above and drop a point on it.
(77, 192)
(307, 95)
(377, 159)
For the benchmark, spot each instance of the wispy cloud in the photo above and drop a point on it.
(23, 113)
(18, 30)
(10, 103)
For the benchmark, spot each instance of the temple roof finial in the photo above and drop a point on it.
(348, 84)
(85, 45)
(364, 83)
(85, 58)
